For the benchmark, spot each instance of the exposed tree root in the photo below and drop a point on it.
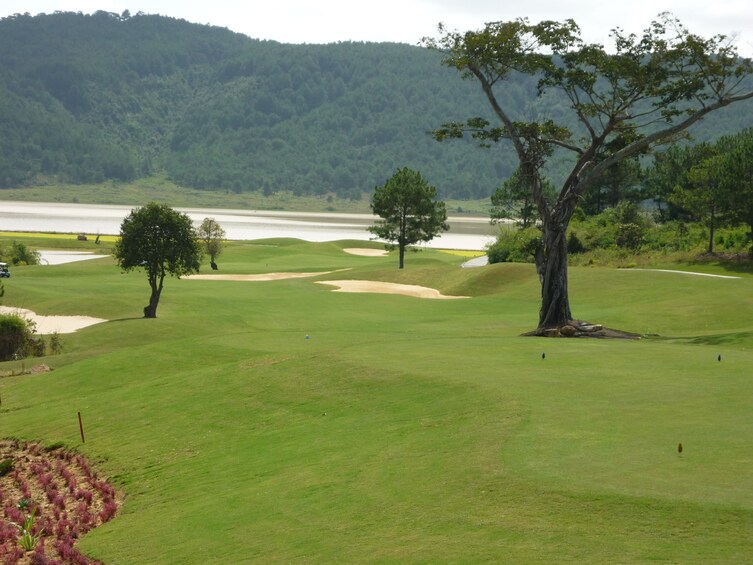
(579, 328)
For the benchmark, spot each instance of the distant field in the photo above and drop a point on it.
(57, 236)
(258, 422)
(161, 189)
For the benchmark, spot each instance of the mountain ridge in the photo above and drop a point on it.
(89, 98)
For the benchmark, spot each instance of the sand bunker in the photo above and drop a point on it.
(389, 288)
(365, 252)
(53, 324)
(259, 277)
(57, 257)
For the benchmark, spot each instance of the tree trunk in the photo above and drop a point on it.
(150, 310)
(401, 242)
(711, 230)
(555, 303)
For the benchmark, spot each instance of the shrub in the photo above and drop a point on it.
(732, 240)
(6, 466)
(17, 253)
(56, 344)
(498, 253)
(574, 244)
(33, 347)
(13, 333)
(627, 212)
(17, 339)
(629, 236)
(519, 246)
(24, 255)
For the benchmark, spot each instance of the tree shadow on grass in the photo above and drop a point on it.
(731, 338)
(738, 264)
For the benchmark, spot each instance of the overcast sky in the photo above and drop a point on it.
(407, 21)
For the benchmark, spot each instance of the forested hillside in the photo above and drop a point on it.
(86, 98)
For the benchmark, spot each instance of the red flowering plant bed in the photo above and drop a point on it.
(49, 498)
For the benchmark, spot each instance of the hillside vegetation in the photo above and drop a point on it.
(91, 98)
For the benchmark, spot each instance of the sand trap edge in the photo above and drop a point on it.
(377, 287)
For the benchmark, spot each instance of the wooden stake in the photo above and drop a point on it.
(81, 428)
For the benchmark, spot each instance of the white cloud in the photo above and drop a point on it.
(407, 21)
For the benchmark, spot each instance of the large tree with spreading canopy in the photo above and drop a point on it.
(643, 91)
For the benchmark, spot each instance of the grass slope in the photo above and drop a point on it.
(401, 430)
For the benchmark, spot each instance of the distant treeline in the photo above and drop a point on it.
(88, 98)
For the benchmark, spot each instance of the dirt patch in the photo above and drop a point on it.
(389, 288)
(53, 324)
(365, 251)
(35, 370)
(63, 493)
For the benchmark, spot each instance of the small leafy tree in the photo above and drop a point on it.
(22, 255)
(706, 182)
(161, 241)
(408, 210)
(668, 170)
(701, 191)
(212, 237)
(736, 172)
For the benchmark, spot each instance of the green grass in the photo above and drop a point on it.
(402, 430)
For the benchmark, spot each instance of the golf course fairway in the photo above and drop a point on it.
(280, 421)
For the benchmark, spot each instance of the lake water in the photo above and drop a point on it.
(468, 233)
